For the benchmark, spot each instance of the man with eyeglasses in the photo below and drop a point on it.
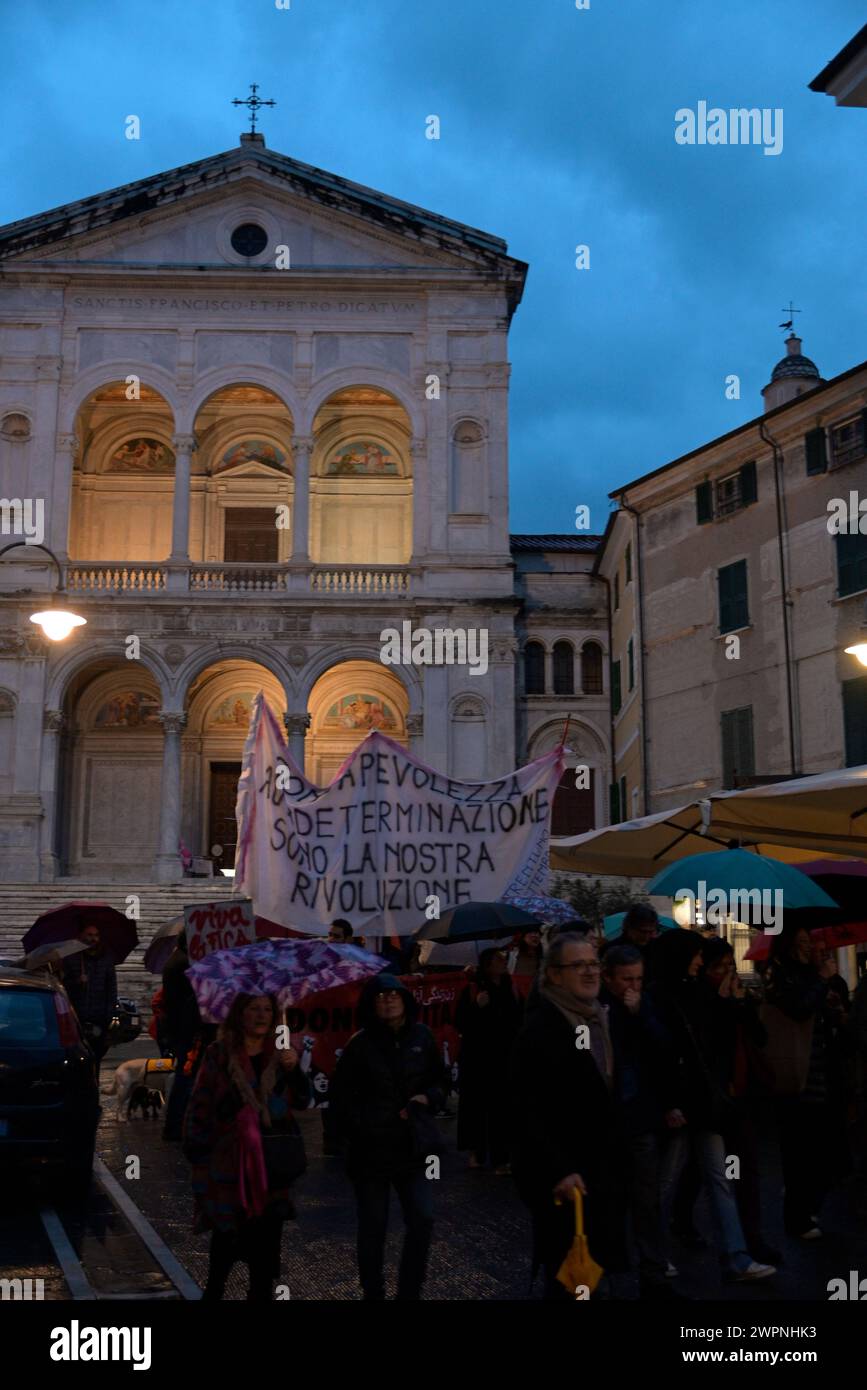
(564, 1124)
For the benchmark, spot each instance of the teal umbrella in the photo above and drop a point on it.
(613, 924)
(737, 873)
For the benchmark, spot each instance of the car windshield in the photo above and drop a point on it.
(27, 1019)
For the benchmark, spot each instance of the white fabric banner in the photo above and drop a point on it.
(387, 838)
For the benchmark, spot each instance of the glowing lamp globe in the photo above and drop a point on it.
(860, 651)
(57, 623)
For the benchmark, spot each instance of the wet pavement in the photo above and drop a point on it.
(481, 1238)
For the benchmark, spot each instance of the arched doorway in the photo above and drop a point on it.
(218, 707)
(345, 704)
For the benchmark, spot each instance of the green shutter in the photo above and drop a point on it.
(628, 554)
(630, 662)
(738, 750)
(624, 814)
(816, 448)
(617, 591)
(613, 803)
(616, 698)
(855, 720)
(851, 564)
(703, 503)
(749, 485)
(733, 605)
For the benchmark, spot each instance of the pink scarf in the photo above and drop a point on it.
(252, 1179)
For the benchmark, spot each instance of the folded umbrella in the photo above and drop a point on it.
(288, 969)
(117, 934)
(474, 921)
(579, 1269)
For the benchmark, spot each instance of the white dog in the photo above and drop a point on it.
(133, 1073)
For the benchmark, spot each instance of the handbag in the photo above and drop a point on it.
(284, 1153)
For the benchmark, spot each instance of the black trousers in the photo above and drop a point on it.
(802, 1127)
(414, 1192)
(256, 1244)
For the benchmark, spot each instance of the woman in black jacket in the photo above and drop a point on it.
(564, 1130)
(488, 1018)
(387, 1086)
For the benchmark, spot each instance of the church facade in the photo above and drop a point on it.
(254, 417)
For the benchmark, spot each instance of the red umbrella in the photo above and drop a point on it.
(116, 932)
(838, 934)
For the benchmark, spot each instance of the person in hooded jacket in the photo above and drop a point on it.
(701, 1028)
(387, 1086)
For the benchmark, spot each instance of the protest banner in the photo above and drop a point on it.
(391, 841)
(218, 926)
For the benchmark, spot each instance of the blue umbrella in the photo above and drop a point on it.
(737, 873)
(613, 924)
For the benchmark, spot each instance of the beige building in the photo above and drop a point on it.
(262, 413)
(743, 593)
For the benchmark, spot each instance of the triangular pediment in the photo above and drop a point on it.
(186, 217)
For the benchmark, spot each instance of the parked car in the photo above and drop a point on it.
(49, 1092)
(126, 1024)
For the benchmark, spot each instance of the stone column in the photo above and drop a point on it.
(167, 866)
(53, 721)
(415, 734)
(183, 445)
(61, 498)
(296, 729)
(420, 500)
(302, 448)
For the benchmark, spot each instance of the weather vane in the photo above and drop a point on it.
(791, 311)
(254, 103)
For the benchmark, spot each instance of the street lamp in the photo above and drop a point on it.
(57, 621)
(859, 649)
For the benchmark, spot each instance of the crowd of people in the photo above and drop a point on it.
(636, 1071)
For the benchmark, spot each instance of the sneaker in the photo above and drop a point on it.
(753, 1272)
(811, 1233)
(671, 1271)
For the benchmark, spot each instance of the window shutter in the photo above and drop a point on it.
(749, 485)
(624, 814)
(630, 662)
(703, 503)
(855, 720)
(817, 457)
(738, 753)
(628, 554)
(616, 698)
(617, 591)
(733, 605)
(851, 564)
(614, 803)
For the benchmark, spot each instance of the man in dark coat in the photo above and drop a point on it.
(639, 928)
(90, 979)
(387, 1086)
(182, 1026)
(564, 1125)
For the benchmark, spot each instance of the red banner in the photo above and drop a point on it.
(322, 1024)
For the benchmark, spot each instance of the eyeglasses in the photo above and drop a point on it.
(584, 966)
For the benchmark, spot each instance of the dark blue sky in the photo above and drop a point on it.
(557, 129)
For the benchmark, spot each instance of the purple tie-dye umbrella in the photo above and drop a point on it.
(554, 910)
(289, 969)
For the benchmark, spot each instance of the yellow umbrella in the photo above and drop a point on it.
(579, 1266)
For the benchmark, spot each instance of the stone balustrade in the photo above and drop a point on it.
(366, 580)
(101, 578)
(237, 578)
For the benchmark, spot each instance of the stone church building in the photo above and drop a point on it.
(265, 413)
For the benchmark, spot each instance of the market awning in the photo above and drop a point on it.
(824, 814)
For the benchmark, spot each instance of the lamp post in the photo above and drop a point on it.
(57, 621)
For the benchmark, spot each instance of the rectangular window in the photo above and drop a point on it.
(623, 811)
(627, 560)
(733, 604)
(847, 441)
(617, 591)
(614, 803)
(250, 535)
(855, 720)
(738, 755)
(851, 564)
(816, 451)
(728, 495)
(616, 698)
(630, 662)
(703, 503)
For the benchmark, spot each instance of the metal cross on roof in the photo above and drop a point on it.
(254, 102)
(791, 311)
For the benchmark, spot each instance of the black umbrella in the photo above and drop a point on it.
(117, 934)
(475, 921)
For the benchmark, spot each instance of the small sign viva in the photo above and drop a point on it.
(217, 926)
